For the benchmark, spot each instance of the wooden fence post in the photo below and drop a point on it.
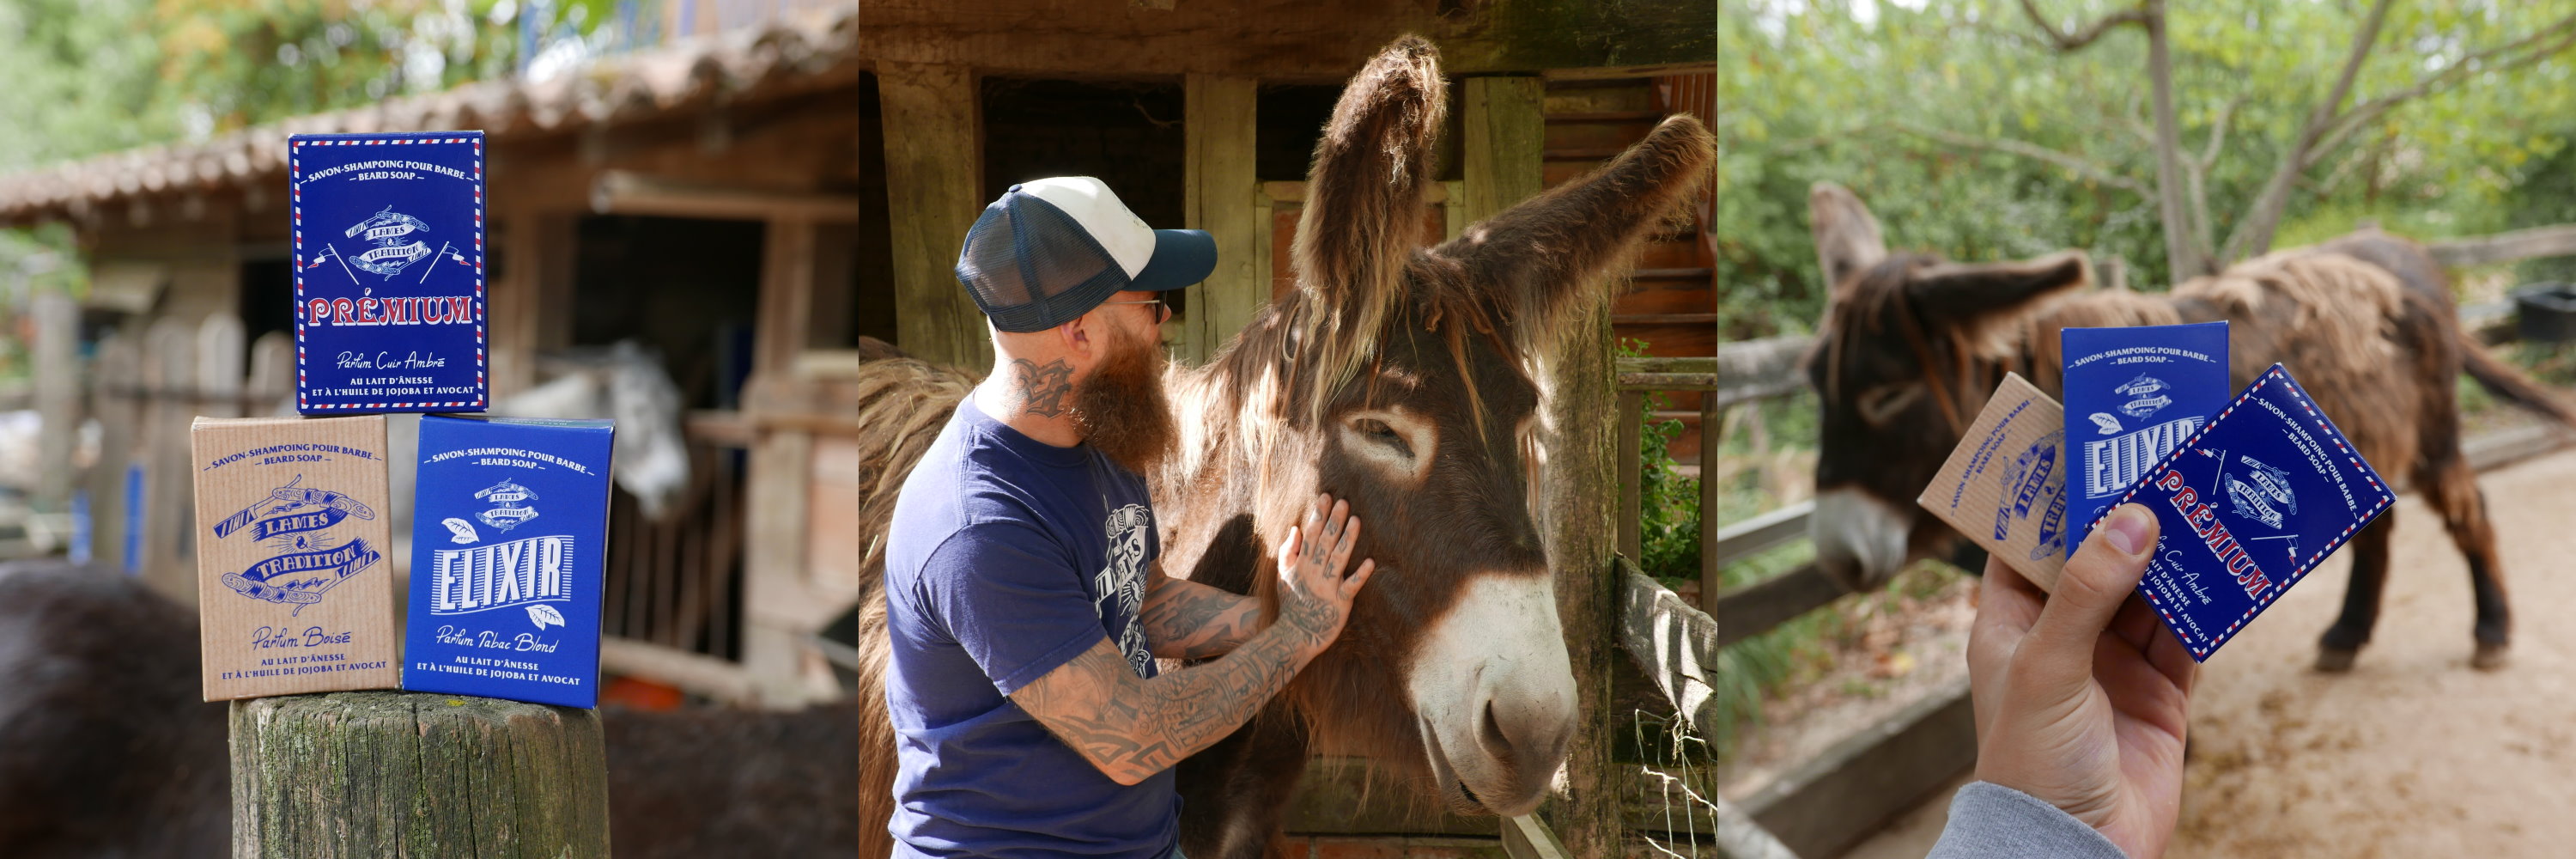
(113, 380)
(365, 774)
(57, 370)
(270, 387)
(169, 561)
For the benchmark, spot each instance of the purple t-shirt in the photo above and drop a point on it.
(1007, 557)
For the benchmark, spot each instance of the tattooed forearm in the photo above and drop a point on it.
(1042, 389)
(1187, 620)
(1132, 728)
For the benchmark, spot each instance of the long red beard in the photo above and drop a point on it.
(1121, 408)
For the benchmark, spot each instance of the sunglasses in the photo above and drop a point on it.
(1167, 305)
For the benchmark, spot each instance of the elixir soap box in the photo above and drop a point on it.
(2133, 395)
(388, 271)
(2004, 486)
(294, 593)
(2252, 503)
(509, 537)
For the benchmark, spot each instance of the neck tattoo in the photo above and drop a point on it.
(1042, 389)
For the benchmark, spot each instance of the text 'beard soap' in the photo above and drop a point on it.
(294, 593)
(509, 540)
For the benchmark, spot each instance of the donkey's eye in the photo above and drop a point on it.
(1881, 404)
(1379, 432)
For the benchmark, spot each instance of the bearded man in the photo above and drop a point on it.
(1023, 596)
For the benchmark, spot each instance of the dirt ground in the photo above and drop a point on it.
(2413, 753)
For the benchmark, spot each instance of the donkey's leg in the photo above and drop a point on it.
(2453, 490)
(2351, 630)
(1234, 793)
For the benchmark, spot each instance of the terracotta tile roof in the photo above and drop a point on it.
(742, 64)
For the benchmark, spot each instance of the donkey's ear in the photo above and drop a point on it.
(1847, 235)
(1976, 293)
(1542, 259)
(1363, 211)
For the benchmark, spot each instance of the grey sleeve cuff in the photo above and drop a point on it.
(1991, 821)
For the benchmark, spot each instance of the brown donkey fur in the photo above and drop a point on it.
(1396, 376)
(1912, 345)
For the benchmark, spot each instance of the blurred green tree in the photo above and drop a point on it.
(1984, 129)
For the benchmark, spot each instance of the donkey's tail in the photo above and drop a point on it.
(2512, 385)
(902, 403)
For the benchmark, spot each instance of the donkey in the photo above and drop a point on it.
(1401, 378)
(1911, 344)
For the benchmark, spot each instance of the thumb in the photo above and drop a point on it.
(2101, 576)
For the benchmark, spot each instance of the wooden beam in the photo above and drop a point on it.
(2559, 240)
(1581, 542)
(56, 362)
(1839, 797)
(934, 142)
(1221, 197)
(1632, 478)
(1673, 643)
(786, 293)
(623, 192)
(1759, 607)
(694, 673)
(1753, 536)
(1709, 441)
(1299, 40)
(1506, 135)
(531, 303)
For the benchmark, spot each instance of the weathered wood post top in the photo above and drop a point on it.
(371, 774)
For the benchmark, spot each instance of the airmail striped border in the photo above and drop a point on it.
(2298, 396)
(295, 206)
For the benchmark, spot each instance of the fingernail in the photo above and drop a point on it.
(2126, 530)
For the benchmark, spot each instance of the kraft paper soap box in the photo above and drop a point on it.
(2249, 505)
(294, 593)
(2004, 486)
(509, 537)
(388, 271)
(2133, 395)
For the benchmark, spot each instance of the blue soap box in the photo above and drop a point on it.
(389, 297)
(2248, 507)
(2133, 395)
(509, 533)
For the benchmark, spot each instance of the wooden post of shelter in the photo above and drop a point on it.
(934, 158)
(1222, 196)
(1505, 129)
(113, 381)
(56, 363)
(169, 514)
(363, 774)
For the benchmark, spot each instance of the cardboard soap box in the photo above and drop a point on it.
(509, 535)
(294, 593)
(2004, 486)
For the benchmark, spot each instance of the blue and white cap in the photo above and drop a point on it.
(1052, 249)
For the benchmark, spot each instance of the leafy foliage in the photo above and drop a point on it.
(1914, 104)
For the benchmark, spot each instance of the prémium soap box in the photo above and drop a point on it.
(389, 300)
(509, 540)
(2248, 506)
(294, 593)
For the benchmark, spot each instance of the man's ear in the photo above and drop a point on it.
(1082, 339)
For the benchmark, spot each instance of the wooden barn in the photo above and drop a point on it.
(699, 197)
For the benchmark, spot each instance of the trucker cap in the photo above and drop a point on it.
(1051, 250)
